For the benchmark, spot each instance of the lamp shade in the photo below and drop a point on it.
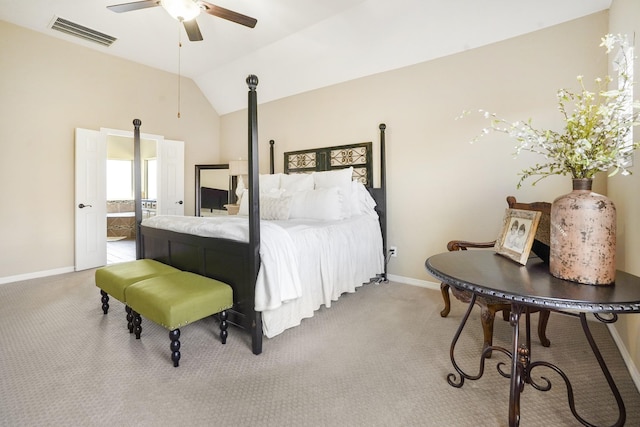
(182, 10)
(238, 167)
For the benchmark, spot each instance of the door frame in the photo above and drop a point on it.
(101, 238)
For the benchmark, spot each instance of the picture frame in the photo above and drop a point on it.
(517, 234)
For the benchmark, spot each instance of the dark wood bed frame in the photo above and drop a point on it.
(237, 263)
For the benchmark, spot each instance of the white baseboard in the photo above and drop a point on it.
(414, 282)
(35, 275)
(631, 367)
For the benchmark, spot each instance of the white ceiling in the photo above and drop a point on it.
(298, 45)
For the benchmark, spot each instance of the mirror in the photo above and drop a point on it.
(212, 189)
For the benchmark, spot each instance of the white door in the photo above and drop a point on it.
(90, 199)
(170, 177)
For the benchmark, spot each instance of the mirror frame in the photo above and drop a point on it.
(198, 169)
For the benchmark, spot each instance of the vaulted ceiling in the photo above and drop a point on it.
(297, 45)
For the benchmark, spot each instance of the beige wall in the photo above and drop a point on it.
(439, 186)
(48, 87)
(625, 190)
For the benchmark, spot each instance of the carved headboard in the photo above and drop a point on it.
(332, 158)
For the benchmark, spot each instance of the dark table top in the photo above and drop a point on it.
(486, 273)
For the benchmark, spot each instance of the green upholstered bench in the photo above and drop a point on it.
(114, 279)
(177, 299)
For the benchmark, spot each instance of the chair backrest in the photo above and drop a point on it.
(541, 240)
(543, 233)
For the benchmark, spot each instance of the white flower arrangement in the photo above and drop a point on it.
(598, 131)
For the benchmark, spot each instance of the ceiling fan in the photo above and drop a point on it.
(186, 11)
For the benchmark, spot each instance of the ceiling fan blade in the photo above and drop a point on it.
(127, 7)
(229, 15)
(193, 31)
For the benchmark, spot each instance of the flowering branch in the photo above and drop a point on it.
(598, 130)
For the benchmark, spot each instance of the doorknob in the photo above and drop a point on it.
(179, 202)
(84, 206)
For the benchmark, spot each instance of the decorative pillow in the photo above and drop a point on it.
(269, 182)
(340, 178)
(273, 205)
(296, 182)
(323, 203)
(275, 208)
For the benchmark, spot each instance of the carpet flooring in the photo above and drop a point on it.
(378, 357)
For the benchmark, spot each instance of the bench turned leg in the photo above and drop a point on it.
(129, 319)
(105, 301)
(175, 346)
(137, 324)
(223, 326)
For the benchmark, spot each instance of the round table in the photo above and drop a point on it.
(486, 273)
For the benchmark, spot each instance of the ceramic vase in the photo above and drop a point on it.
(583, 236)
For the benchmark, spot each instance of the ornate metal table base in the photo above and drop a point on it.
(522, 367)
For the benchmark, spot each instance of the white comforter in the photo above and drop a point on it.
(304, 263)
(278, 278)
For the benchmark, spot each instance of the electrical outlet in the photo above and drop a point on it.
(393, 251)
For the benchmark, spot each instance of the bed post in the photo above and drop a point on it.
(137, 180)
(383, 187)
(254, 212)
(272, 168)
(383, 183)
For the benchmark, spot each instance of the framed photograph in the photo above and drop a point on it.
(517, 234)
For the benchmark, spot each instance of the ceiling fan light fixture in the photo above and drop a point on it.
(182, 10)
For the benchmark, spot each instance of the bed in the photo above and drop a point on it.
(283, 268)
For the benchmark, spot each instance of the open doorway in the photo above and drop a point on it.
(121, 221)
(164, 161)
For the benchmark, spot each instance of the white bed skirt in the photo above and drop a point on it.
(304, 263)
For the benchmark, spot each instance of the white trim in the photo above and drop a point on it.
(631, 366)
(414, 282)
(129, 134)
(35, 275)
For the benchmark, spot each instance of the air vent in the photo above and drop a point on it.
(82, 32)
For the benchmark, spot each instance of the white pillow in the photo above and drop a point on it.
(244, 203)
(296, 182)
(269, 182)
(273, 205)
(355, 198)
(340, 178)
(323, 203)
(333, 178)
(362, 197)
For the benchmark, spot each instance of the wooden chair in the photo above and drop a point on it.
(490, 306)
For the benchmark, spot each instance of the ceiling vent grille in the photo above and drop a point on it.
(82, 32)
